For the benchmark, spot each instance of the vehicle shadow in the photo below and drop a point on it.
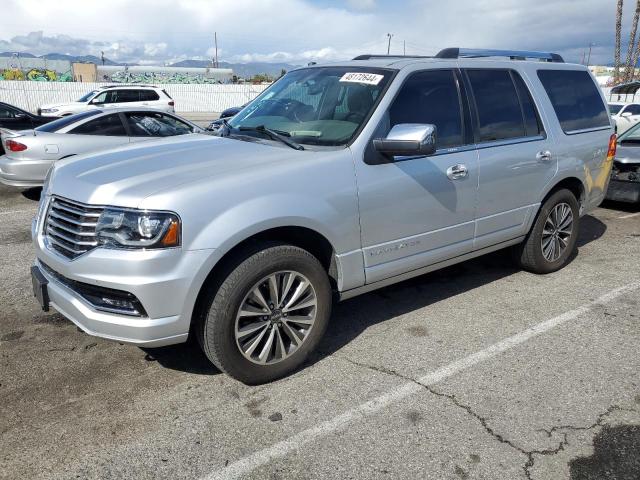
(352, 317)
(621, 206)
(32, 193)
(616, 455)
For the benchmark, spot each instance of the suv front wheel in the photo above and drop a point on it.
(552, 239)
(267, 315)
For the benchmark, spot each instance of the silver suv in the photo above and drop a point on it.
(337, 180)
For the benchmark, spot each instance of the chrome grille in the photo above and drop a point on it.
(70, 227)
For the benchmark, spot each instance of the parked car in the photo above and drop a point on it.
(114, 96)
(30, 153)
(15, 118)
(226, 114)
(625, 115)
(337, 180)
(625, 175)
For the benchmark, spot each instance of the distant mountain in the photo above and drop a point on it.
(62, 56)
(244, 70)
(78, 58)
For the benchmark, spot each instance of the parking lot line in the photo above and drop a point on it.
(247, 464)
(630, 215)
(17, 211)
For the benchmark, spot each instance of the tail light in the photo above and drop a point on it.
(14, 146)
(613, 143)
(172, 103)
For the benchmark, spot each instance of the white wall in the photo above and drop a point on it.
(188, 98)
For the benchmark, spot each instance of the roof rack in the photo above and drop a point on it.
(512, 54)
(371, 57)
(120, 85)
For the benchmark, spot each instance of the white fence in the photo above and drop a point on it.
(188, 97)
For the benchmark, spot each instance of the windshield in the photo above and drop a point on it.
(615, 108)
(315, 106)
(630, 136)
(65, 121)
(85, 98)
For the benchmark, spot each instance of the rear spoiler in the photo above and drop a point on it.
(6, 133)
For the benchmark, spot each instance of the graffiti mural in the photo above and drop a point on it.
(35, 70)
(158, 75)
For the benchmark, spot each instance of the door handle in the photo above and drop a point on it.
(543, 156)
(456, 172)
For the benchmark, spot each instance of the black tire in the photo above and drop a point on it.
(216, 328)
(529, 254)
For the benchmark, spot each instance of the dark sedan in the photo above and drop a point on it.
(225, 115)
(14, 118)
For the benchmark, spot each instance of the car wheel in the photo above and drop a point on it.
(267, 315)
(552, 239)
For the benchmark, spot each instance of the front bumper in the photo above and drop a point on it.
(23, 172)
(164, 281)
(624, 191)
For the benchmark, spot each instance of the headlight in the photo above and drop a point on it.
(49, 110)
(123, 228)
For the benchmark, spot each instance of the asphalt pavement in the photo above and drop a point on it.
(478, 371)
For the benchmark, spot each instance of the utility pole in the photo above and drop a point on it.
(404, 48)
(589, 56)
(389, 44)
(215, 40)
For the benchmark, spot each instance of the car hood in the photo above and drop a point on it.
(126, 176)
(628, 153)
(59, 105)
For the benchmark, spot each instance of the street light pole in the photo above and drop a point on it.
(389, 44)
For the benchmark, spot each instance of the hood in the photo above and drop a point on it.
(628, 153)
(59, 105)
(127, 175)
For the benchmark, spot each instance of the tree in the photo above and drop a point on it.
(630, 67)
(616, 74)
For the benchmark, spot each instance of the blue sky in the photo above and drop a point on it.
(299, 31)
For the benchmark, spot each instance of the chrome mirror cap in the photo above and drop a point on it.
(407, 139)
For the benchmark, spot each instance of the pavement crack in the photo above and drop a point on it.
(530, 454)
(598, 423)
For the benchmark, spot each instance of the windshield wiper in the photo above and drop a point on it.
(273, 135)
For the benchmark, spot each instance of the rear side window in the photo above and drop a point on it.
(109, 125)
(66, 121)
(575, 99)
(148, 96)
(532, 123)
(125, 96)
(6, 112)
(498, 106)
(431, 97)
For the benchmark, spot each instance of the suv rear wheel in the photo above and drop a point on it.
(267, 315)
(552, 239)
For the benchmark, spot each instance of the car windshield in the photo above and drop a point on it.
(615, 108)
(314, 106)
(85, 98)
(66, 121)
(630, 136)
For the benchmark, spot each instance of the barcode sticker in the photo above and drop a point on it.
(362, 77)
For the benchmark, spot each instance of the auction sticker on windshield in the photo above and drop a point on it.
(361, 77)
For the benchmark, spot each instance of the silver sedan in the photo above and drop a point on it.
(30, 153)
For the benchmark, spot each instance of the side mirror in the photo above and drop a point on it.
(626, 114)
(407, 139)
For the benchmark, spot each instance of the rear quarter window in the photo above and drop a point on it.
(575, 99)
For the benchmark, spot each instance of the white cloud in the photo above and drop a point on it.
(299, 31)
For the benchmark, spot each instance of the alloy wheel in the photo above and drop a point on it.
(275, 317)
(557, 231)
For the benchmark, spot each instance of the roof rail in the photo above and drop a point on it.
(512, 54)
(120, 85)
(371, 57)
